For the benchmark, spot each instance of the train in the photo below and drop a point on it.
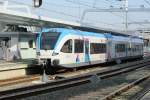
(72, 48)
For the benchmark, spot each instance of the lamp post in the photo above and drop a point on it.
(37, 3)
(126, 11)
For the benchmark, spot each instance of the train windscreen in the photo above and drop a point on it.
(48, 40)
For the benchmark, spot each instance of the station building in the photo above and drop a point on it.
(17, 45)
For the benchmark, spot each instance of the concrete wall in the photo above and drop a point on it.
(1, 51)
(26, 51)
(13, 50)
(21, 46)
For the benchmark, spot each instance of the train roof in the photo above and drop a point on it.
(100, 31)
(91, 31)
(77, 32)
(120, 38)
(103, 30)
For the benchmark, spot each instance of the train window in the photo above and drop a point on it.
(128, 47)
(48, 40)
(136, 48)
(67, 47)
(96, 48)
(133, 48)
(139, 47)
(120, 47)
(79, 46)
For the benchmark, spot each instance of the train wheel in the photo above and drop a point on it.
(118, 61)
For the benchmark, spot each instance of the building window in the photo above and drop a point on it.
(79, 46)
(96, 48)
(67, 47)
(30, 44)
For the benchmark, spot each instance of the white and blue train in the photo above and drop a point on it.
(71, 48)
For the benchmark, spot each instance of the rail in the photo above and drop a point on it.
(67, 83)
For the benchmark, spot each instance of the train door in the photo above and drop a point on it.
(66, 54)
(79, 52)
(86, 51)
(110, 47)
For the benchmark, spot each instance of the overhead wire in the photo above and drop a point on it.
(66, 14)
(90, 6)
(128, 17)
(147, 2)
(122, 16)
(87, 5)
(50, 10)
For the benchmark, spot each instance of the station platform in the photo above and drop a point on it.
(13, 69)
(4, 65)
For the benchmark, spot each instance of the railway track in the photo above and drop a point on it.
(132, 91)
(140, 95)
(22, 79)
(127, 87)
(69, 82)
(18, 80)
(15, 70)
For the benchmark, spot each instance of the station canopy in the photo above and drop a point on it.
(21, 18)
(28, 19)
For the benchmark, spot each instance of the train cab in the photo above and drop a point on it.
(70, 48)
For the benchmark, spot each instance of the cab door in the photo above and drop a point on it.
(66, 54)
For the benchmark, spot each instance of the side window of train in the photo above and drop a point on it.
(128, 47)
(96, 48)
(120, 47)
(67, 47)
(133, 48)
(79, 46)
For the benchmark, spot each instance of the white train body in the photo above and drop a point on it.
(73, 48)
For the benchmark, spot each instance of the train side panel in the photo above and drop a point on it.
(84, 50)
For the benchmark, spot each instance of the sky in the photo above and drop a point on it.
(72, 10)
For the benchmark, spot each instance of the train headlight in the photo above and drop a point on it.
(54, 54)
